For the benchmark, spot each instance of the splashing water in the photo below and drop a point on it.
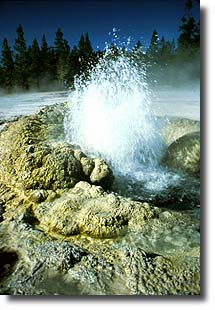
(111, 117)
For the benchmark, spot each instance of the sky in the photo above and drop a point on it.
(131, 20)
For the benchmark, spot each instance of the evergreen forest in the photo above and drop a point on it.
(43, 67)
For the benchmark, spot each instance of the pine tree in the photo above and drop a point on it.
(152, 51)
(21, 60)
(152, 57)
(44, 46)
(166, 51)
(163, 68)
(162, 49)
(62, 51)
(7, 71)
(1, 77)
(86, 55)
(138, 46)
(173, 46)
(35, 67)
(59, 42)
(66, 46)
(88, 46)
(138, 55)
(74, 66)
(190, 30)
(52, 64)
(114, 51)
(85, 46)
(48, 63)
(63, 68)
(188, 51)
(44, 52)
(81, 46)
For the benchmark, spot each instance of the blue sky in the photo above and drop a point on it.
(132, 18)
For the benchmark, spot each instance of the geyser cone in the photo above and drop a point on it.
(111, 116)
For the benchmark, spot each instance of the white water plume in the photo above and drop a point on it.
(110, 116)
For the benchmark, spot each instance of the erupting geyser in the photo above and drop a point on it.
(111, 116)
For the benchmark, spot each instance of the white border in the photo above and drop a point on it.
(197, 303)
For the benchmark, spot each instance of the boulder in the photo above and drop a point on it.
(87, 209)
(178, 127)
(97, 170)
(28, 162)
(184, 154)
(32, 157)
(101, 174)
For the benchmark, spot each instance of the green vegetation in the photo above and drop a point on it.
(178, 62)
(38, 67)
(43, 66)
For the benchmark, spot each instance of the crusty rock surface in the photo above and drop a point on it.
(178, 127)
(32, 157)
(152, 274)
(64, 232)
(34, 263)
(88, 209)
(184, 154)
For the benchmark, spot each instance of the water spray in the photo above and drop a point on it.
(111, 117)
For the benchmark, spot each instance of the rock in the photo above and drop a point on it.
(184, 154)
(96, 170)
(35, 159)
(98, 219)
(2, 210)
(89, 210)
(38, 196)
(31, 164)
(151, 274)
(165, 215)
(101, 174)
(79, 154)
(53, 117)
(30, 260)
(8, 260)
(85, 257)
(33, 263)
(178, 127)
(87, 165)
(63, 233)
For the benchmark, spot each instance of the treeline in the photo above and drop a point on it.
(40, 66)
(175, 62)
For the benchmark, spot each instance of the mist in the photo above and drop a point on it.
(167, 100)
(26, 103)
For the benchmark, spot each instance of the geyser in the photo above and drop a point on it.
(111, 116)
